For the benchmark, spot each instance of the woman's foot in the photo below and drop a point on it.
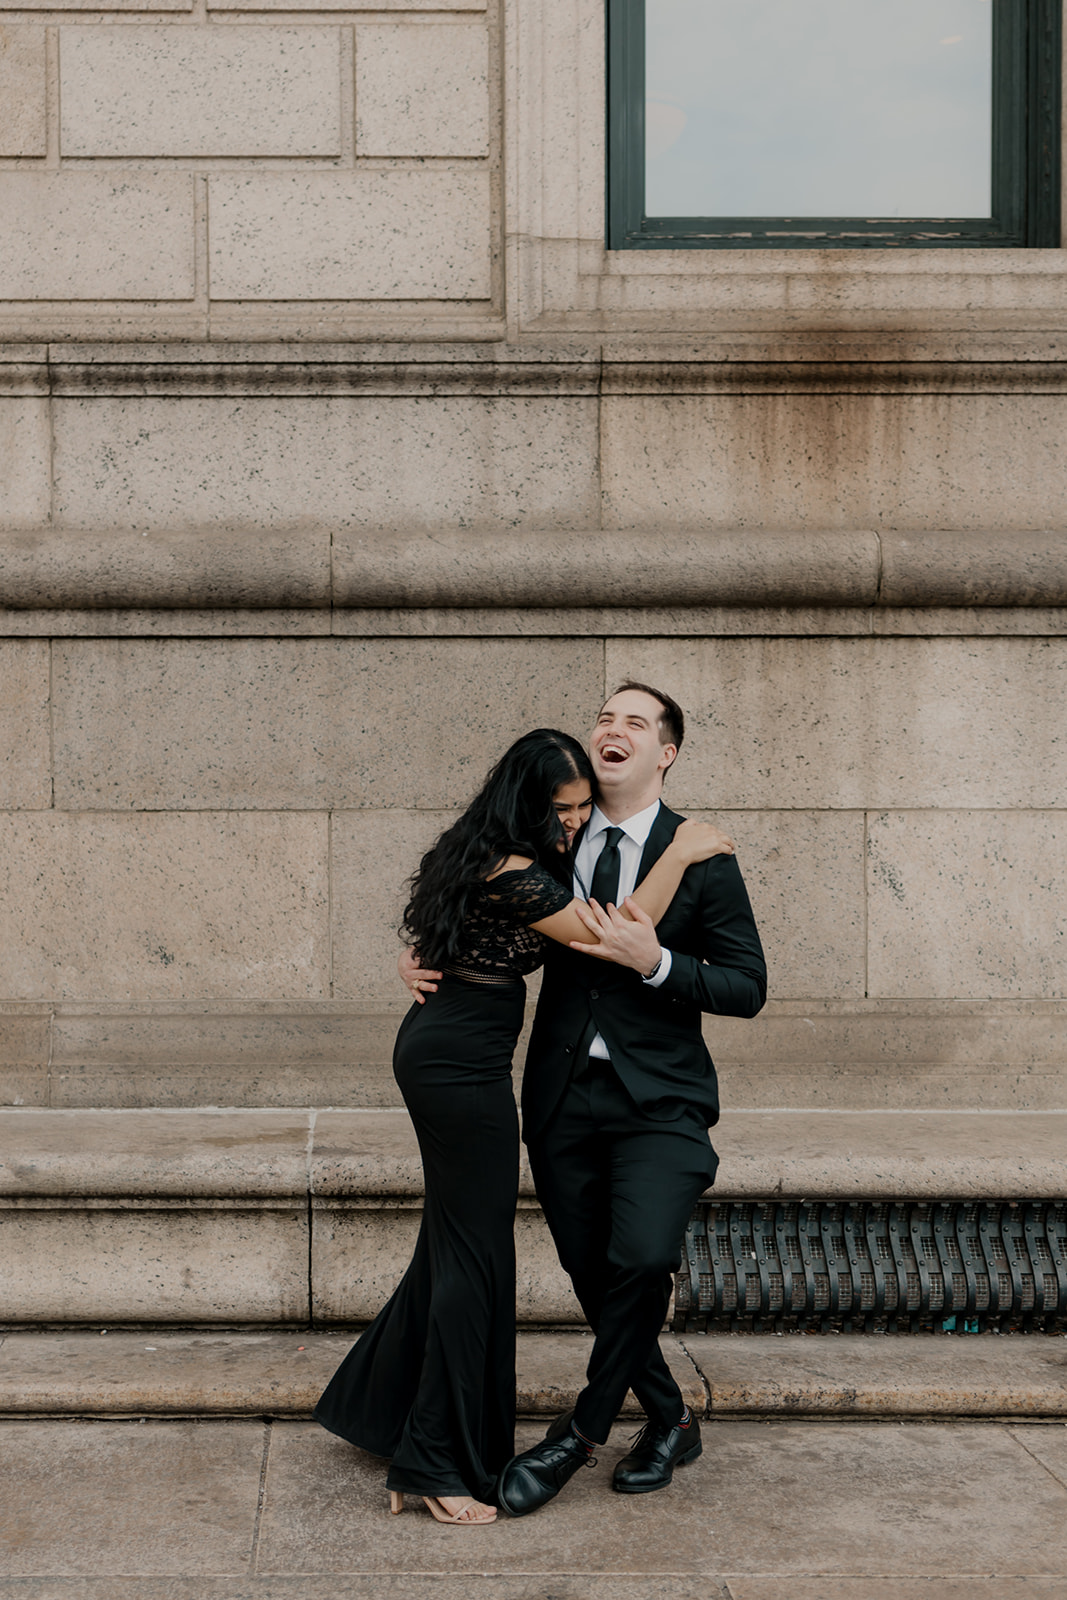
(459, 1509)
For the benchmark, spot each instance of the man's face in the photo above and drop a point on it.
(625, 743)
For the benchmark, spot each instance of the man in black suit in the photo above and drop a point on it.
(620, 1091)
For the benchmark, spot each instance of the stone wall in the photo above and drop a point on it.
(335, 451)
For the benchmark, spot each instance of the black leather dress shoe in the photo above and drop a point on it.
(656, 1452)
(535, 1477)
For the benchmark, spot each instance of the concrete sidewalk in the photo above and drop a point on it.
(252, 1510)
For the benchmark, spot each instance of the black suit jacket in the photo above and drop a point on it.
(653, 1035)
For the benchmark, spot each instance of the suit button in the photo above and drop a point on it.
(568, 1049)
(594, 994)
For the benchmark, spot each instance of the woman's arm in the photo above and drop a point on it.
(693, 841)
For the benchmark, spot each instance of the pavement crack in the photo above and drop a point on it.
(1044, 1464)
(268, 1430)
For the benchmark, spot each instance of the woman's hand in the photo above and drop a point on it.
(628, 941)
(420, 980)
(699, 841)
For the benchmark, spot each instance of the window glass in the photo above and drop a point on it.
(818, 108)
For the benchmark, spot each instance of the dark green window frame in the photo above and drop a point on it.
(1027, 54)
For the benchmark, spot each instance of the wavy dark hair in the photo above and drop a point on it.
(512, 814)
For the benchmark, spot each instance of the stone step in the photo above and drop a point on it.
(275, 1216)
(159, 1372)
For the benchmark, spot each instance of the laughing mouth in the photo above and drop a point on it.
(614, 755)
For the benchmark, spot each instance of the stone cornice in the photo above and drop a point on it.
(887, 364)
(324, 569)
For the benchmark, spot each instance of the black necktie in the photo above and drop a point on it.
(606, 872)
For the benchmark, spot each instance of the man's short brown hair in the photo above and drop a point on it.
(671, 719)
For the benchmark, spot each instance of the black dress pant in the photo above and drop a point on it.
(617, 1190)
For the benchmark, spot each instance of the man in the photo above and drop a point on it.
(619, 1092)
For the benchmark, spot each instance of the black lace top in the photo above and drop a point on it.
(497, 939)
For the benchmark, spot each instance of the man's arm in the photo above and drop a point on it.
(730, 975)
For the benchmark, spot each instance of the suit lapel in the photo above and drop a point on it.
(660, 836)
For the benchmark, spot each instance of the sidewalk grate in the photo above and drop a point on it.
(874, 1267)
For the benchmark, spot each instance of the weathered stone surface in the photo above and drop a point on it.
(153, 906)
(200, 91)
(248, 1155)
(253, 724)
(359, 1254)
(422, 91)
(96, 236)
(902, 462)
(869, 1155)
(223, 568)
(25, 1042)
(25, 491)
(804, 874)
(849, 1500)
(861, 722)
(221, 1055)
(891, 1055)
(381, 235)
(22, 91)
(933, 568)
(656, 568)
(25, 759)
(967, 904)
(858, 1375)
(149, 1263)
(284, 464)
(84, 1498)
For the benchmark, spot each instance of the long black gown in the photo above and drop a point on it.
(431, 1383)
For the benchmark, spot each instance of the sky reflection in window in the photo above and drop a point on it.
(818, 108)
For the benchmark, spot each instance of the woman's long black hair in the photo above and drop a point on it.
(512, 814)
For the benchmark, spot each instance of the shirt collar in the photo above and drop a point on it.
(637, 827)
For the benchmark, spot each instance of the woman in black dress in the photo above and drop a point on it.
(431, 1383)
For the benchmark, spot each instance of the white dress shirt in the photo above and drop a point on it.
(635, 832)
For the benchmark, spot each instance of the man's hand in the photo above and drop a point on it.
(420, 980)
(629, 944)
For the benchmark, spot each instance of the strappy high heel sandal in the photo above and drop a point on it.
(438, 1512)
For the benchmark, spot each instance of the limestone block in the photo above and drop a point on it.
(373, 854)
(222, 1055)
(25, 1037)
(804, 873)
(253, 724)
(163, 907)
(195, 1156)
(360, 1252)
(24, 458)
(349, 462)
(967, 462)
(200, 91)
(412, 234)
(22, 91)
(184, 1263)
(892, 1055)
(875, 723)
(25, 760)
(422, 91)
(316, 5)
(967, 903)
(96, 236)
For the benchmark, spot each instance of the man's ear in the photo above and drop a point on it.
(668, 756)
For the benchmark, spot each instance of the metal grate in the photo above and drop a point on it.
(866, 1267)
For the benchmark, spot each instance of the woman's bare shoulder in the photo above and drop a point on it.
(512, 864)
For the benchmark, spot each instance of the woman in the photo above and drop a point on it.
(431, 1383)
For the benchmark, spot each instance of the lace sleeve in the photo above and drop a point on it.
(529, 894)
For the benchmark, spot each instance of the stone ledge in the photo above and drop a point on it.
(338, 1157)
(322, 569)
(202, 1373)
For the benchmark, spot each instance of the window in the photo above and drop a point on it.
(770, 124)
